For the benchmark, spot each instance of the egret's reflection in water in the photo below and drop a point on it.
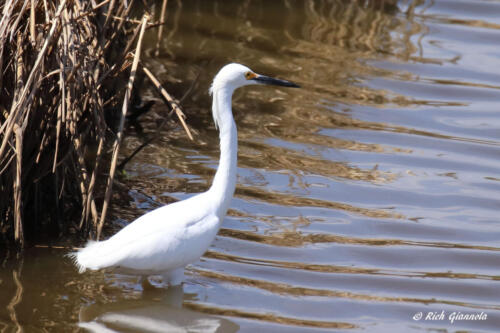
(157, 311)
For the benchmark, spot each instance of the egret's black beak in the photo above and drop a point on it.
(275, 82)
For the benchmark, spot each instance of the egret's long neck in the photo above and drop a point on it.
(224, 183)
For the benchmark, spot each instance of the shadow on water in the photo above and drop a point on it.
(364, 199)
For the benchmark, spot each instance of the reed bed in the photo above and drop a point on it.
(65, 75)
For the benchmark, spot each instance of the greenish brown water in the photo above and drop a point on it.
(367, 197)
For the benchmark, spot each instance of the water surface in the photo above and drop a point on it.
(364, 199)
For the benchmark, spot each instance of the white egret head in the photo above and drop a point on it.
(233, 76)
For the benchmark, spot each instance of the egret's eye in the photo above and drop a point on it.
(250, 75)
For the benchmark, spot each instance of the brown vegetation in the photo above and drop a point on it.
(64, 66)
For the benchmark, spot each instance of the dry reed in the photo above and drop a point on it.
(63, 68)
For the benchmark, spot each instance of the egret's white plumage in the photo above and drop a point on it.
(165, 240)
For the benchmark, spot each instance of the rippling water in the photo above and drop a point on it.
(365, 199)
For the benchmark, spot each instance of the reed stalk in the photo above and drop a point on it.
(63, 66)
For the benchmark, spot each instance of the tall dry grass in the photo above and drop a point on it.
(65, 76)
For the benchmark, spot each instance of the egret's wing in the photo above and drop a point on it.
(169, 249)
(152, 241)
(177, 215)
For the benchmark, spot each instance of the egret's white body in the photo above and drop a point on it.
(165, 240)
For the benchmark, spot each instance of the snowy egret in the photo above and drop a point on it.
(163, 241)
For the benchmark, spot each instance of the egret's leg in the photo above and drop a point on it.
(174, 296)
(145, 282)
(175, 277)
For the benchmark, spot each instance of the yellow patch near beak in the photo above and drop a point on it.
(250, 75)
